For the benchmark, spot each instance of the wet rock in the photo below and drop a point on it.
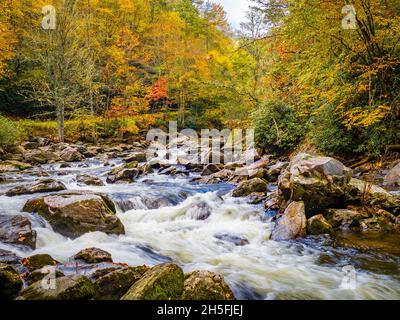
(10, 282)
(136, 157)
(93, 255)
(206, 285)
(38, 261)
(89, 180)
(318, 225)
(13, 166)
(115, 284)
(162, 282)
(320, 182)
(17, 230)
(247, 187)
(211, 168)
(392, 178)
(145, 169)
(124, 173)
(8, 257)
(71, 154)
(199, 211)
(65, 165)
(345, 218)
(42, 186)
(292, 224)
(168, 171)
(218, 177)
(256, 197)
(75, 213)
(236, 240)
(73, 287)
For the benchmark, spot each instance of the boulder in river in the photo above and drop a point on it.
(17, 230)
(292, 224)
(211, 168)
(89, 180)
(75, 213)
(392, 178)
(73, 287)
(136, 157)
(13, 166)
(162, 282)
(345, 218)
(93, 255)
(45, 185)
(125, 173)
(318, 225)
(320, 182)
(249, 186)
(71, 154)
(10, 282)
(206, 285)
(38, 261)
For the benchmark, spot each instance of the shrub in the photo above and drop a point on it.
(9, 133)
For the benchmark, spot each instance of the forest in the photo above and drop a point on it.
(116, 68)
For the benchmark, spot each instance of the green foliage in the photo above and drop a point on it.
(9, 132)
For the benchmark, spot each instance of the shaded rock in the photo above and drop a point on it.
(10, 282)
(114, 285)
(345, 218)
(292, 224)
(211, 168)
(257, 197)
(65, 288)
(320, 182)
(247, 187)
(274, 171)
(40, 274)
(71, 154)
(162, 282)
(75, 213)
(89, 180)
(17, 230)
(8, 257)
(318, 225)
(46, 185)
(392, 178)
(38, 261)
(12, 166)
(35, 156)
(236, 240)
(136, 157)
(206, 285)
(93, 255)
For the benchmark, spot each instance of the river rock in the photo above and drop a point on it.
(93, 255)
(10, 282)
(320, 182)
(115, 284)
(318, 225)
(13, 166)
(8, 257)
(345, 218)
(247, 187)
(206, 285)
(275, 170)
(136, 157)
(125, 173)
(211, 168)
(162, 282)
(42, 186)
(236, 240)
(71, 154)
(40, 274)
(145, 169)
(38, 261)
(36, 156)
(89, 180)
(292, 224)
(73, 287)
(75, 213)
(17, 230)
(392, 178)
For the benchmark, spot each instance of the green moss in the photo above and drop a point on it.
(38, 261)
(10, 282)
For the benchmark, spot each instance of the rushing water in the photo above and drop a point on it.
(200, 227)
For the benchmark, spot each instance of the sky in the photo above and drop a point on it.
(236, 10)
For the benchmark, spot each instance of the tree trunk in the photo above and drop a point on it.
(60, 122)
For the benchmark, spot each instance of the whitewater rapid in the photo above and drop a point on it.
(170, 219)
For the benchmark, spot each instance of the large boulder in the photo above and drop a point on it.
(73, 287)
(12, 166)
(249, 186)
(115, 284)
(392, 178)
(318, 225)
(125, 173)
(71, 154)
(136, 157)
(93, 255)
(88, 180)
(162, 282)
(46, 185)
(10, 282)
(206, 285)
(38, 261)
(320, 182)
(75, 213)
(292, 224)
(17, 230)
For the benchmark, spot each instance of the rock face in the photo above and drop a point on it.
(10, 282)
(114, 285)
(17, 230)
(292, 224)
(318, 225)
(320, 182)
(46, 185)
(75, 213)
(65, 288)
(89, 180)
(392, 179)
(247, 187)
(38, 261)
(206, 285)
(93, 255)
(162, 282)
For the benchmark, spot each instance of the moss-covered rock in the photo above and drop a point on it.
(318, 225)
(10, 282)
(247, 187)
(38, 261)
(74, 287)
(206, 285)
(345, 218)
(93, 255)
(39, 274)
(113, 285)
(12, 165)
(75, 213)
(162, 282)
